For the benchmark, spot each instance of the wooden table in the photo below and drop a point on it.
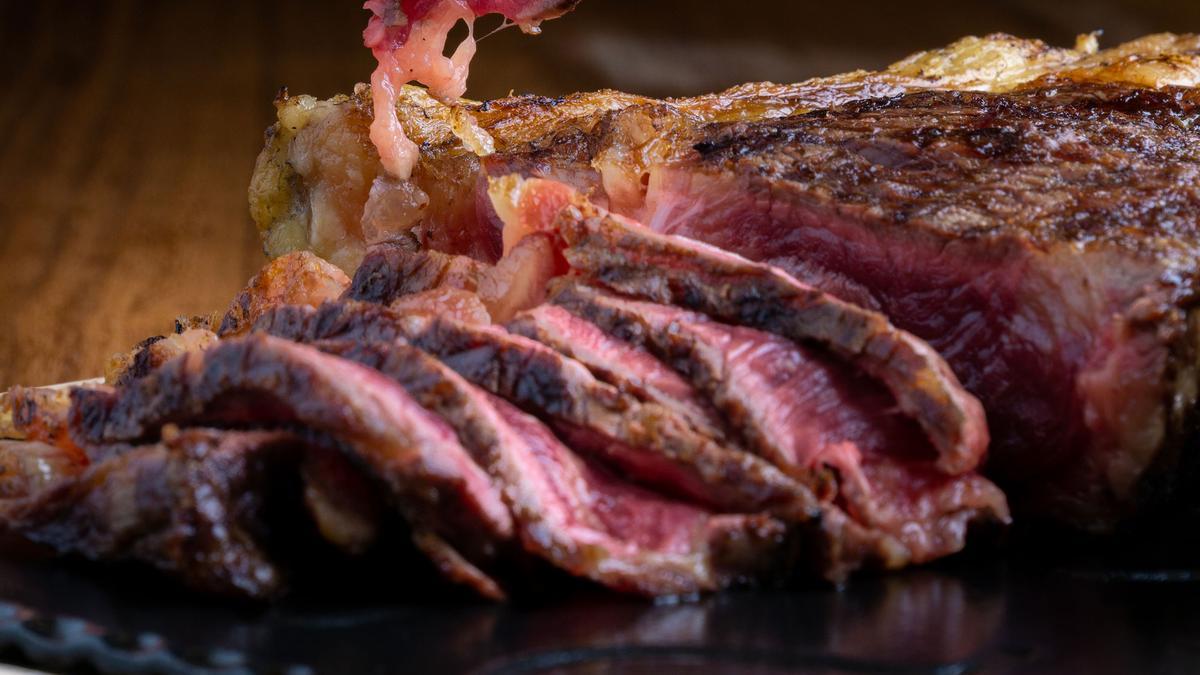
(128, 129)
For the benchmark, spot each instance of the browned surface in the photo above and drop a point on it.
(128, 129)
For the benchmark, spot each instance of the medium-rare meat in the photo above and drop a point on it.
(1043, 241)
(808, 412)
(927, 512)
(574, 514)
(626, 366)
(630, 258)
(648, 441)
(260, 380)
(313, 177)
(1025, 209)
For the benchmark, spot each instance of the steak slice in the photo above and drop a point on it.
(627, 257)
(806, 411)
(192, 505)
(626, 366)
(391, 270)
(646, 440)
(260, 380)
(574, 514)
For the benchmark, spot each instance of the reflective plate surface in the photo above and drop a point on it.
(1123, 610)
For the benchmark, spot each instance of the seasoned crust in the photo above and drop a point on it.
(291, 212)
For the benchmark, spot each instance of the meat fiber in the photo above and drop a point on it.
(672, 270)
(926, 511)
(1027, 210)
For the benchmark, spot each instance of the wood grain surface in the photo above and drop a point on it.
(128, 129)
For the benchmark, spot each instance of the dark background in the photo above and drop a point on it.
(128, 129)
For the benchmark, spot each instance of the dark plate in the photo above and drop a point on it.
(1120, 612)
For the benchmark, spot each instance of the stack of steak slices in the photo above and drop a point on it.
(659, 417)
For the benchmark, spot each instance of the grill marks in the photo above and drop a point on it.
(647, 440)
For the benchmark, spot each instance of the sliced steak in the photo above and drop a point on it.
(191, 505)
(260, 380)
(620, 363)
(647, 440)
(573, 514)
(806, 411)
(451, 302)
(629, 258)
(1043, 241)
(151, 353)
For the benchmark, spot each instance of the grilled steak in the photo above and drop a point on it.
(1033, 219)
(648, 441)
(297, 278)
(389, 272)
(618, 362)
(570, 512)
(807, 412)
(261, 380)
(191, 505)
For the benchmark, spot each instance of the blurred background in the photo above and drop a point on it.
(128, 129)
